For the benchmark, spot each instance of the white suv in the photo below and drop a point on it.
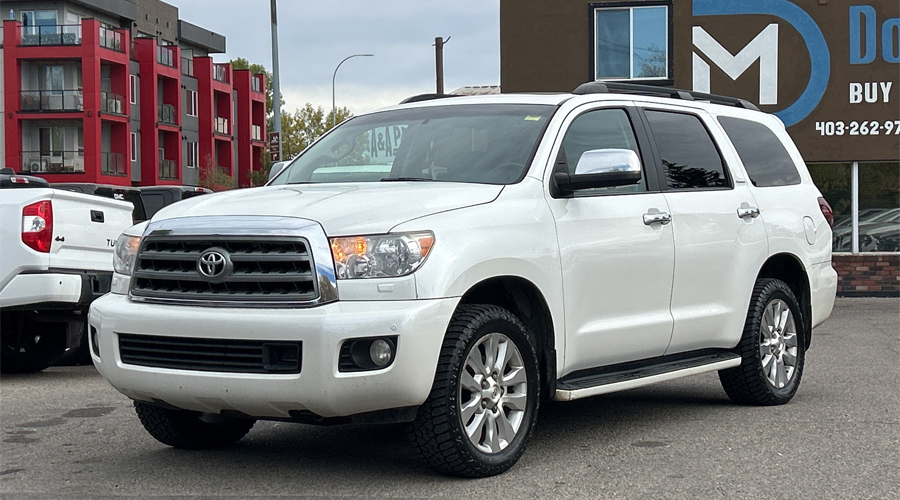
(452, 262)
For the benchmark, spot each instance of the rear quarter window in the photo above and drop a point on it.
(762, 153)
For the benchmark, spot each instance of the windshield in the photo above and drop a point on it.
(484, 143)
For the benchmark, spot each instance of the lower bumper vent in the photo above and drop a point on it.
(210, 355)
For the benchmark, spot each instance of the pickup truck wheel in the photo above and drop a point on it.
(190, 429)
(484, 401)
(772, 349)
(27, 345)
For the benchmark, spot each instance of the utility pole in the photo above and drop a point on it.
(276, 88)
(439, 62)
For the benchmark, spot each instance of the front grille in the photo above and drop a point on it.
(276, 271)
(211, 355)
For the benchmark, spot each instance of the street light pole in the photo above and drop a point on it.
(276, 88)
(333, 107)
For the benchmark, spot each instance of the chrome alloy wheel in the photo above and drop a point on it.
(778, 343)
(493, 393)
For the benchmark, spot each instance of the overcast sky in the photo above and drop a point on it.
(313, 37)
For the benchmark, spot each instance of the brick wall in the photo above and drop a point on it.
(868, 274)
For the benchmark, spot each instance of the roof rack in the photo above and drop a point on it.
(651, 90)
(426, 97)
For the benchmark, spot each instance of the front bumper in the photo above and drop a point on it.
(319, 387)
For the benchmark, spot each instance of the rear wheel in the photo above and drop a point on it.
(772, 348)
(27, 345)
(191, 429)
(484, 400)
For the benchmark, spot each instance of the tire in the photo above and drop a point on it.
(772, 348)
(500, 408)
(29, 346)
(190, 429)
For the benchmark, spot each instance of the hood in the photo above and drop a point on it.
(342, 209)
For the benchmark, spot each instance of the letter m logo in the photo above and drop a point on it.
(763, 48)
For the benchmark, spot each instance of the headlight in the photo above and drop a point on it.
(126, 251)
(380, 256)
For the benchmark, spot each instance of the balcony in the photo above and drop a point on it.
(165, 55)
(112, 164)
(220, 73)
(187, 66)
(255, 132)
(222, 126)
(61, 34)
(111, 103)
(111, 39)
(166, 114)
(167, 170)
(53, 162)
(59, 101)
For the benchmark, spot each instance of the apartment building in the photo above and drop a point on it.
(124, 92)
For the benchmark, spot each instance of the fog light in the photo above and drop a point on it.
(381, 353)
(95, 342)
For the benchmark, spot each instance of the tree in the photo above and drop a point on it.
(305, 125)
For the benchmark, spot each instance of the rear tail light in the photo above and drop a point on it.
(37, 225)
(826, 211)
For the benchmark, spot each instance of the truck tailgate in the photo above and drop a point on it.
(85, 229)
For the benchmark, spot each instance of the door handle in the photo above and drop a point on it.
(657, 218)
(744, 212)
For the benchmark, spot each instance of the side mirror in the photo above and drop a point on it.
(600, 168)
(276, 169)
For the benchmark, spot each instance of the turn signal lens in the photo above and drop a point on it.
(37, 226)
(380, 256)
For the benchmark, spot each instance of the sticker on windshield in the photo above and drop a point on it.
(531, 118)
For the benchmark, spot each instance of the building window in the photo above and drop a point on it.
(190, 102)
(133, 89)
(631, 42)
(192, 155)
(134, 146)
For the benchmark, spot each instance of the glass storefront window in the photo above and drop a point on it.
(879, 207)
(879, 204)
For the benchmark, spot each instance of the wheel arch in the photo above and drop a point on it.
(788, 268)
(524, 299)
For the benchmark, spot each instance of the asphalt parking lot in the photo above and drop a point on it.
(67, 434)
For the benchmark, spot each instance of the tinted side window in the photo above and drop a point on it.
(600, 129)
(153, 202)
(688, 154)
(763, 155)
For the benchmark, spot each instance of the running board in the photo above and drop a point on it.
(631, 375)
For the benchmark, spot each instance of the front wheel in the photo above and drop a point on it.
(190, 429)
(484, 401)
(772, 348)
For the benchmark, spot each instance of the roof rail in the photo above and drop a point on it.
(426, 97)
(651, 90)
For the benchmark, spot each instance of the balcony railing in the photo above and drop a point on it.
(220, 73)
(52, 100)
(222, 126)
(167, 170)
(166, 114)
(165, 55)
(60, 34)
(254, 83)
(255, 132)
(111, 39)
(111, 102)
(187, 66)
(53, 162)
(112, 163)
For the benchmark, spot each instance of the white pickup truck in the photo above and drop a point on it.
(56, 252)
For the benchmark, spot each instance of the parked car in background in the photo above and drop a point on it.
(147, 200)
(879, 231)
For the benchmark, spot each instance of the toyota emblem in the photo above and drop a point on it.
(214, 264)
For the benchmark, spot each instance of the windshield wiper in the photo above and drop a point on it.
(405, 179)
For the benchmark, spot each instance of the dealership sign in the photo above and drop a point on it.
(830, 71)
